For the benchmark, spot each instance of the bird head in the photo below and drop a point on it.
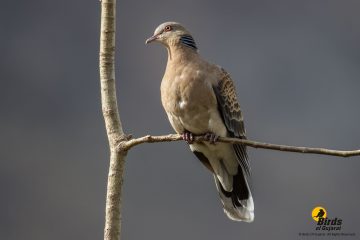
(171, 33)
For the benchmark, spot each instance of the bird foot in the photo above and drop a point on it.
(188, 137)
(211, 137)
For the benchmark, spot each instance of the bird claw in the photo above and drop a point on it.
(211, 137)
(188, 137)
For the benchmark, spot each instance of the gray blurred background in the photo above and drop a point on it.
(297, 70)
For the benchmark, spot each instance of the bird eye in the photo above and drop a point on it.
(168, 28)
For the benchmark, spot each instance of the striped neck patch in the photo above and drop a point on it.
(188, 41)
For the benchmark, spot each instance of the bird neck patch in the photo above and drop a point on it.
(188, 41)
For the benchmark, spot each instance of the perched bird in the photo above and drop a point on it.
(200, 99)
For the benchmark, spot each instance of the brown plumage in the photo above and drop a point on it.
(200, 98)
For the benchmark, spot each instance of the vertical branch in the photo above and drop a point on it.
(112, 120)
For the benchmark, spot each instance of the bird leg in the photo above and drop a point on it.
(211, 137)
(188, 137)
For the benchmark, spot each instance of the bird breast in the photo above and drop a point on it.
(188, 100)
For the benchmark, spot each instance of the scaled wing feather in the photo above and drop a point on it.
(229, 108)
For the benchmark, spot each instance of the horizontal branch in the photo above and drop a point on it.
(126, 145)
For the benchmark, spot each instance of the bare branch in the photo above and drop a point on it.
(112, 120)
(176, 137)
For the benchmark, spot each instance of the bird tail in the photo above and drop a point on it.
(238, 204)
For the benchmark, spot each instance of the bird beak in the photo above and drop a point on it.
(151, 39)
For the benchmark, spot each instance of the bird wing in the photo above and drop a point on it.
(230, 112)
